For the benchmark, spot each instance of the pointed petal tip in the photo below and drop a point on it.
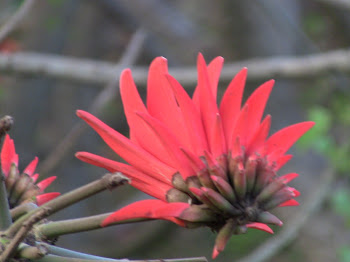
(215, 253)
(260, 226)
(43, 198)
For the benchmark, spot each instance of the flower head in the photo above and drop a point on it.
(206, 165)
(22, 188)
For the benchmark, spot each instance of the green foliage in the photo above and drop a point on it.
(344, 254)
(340, 202)
(318, 137)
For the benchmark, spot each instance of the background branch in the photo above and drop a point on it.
(271, 247)
(99, 72)
(15, 19)
(107, 94)
(337, 3)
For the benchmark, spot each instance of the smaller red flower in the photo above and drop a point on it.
(22, 188)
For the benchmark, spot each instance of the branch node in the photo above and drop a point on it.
(113, 180)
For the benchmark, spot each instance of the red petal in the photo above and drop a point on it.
(286, 137)
(209, 111)
(45, 183)
(231, 103)
(257, 102)
(29, 170)
(260, 136)
(161, 102)
(151, 208)
(281, 161)
(214, 70)
(289, 177)
(171, 145)
(8, 155)
(43, 198)
(191, 117)
(290, 202)
(215, 253)
(35, 177)
(132, 153)
(131, 100)
(139, 180)
(260, 226)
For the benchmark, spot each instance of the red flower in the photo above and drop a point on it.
(206, 165)
(21, 188)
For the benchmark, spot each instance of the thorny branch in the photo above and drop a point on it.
(99, 72)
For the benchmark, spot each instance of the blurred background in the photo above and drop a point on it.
(245, 33)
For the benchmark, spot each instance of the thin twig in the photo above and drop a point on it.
(271, 247)
(337, 3)
(15, 19)
(100, 72)
(106, 95)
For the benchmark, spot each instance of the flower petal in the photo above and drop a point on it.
(161, 102)
(8, 155)
(29, 170)
(43, 198)
(147, 184)
(45, 183)
(214, 70)
(150, 208)
(132, 153)
(209, 111)
(260, 226)
(286, 137)
(231, 103)
(192, 118)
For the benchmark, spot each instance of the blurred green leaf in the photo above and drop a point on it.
(344, 254)
(318, 136)
(340, 203)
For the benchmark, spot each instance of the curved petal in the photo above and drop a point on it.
(161, 102)
(150, 208)
(260, 226)
(8, 155)
(139, 180)
(132, 153)
(29, 170)
(231, 103)
(286, 137)
(209, 111)
(43, 198)
(45, 183)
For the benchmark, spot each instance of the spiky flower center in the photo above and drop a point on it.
(240, 190)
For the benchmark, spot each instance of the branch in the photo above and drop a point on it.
(25, 227)
(107, 94)
(99, 72)
(70, 226)
(15, 19)
(271, 247)
(54, 258)
(20, 210)
(337, 3)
